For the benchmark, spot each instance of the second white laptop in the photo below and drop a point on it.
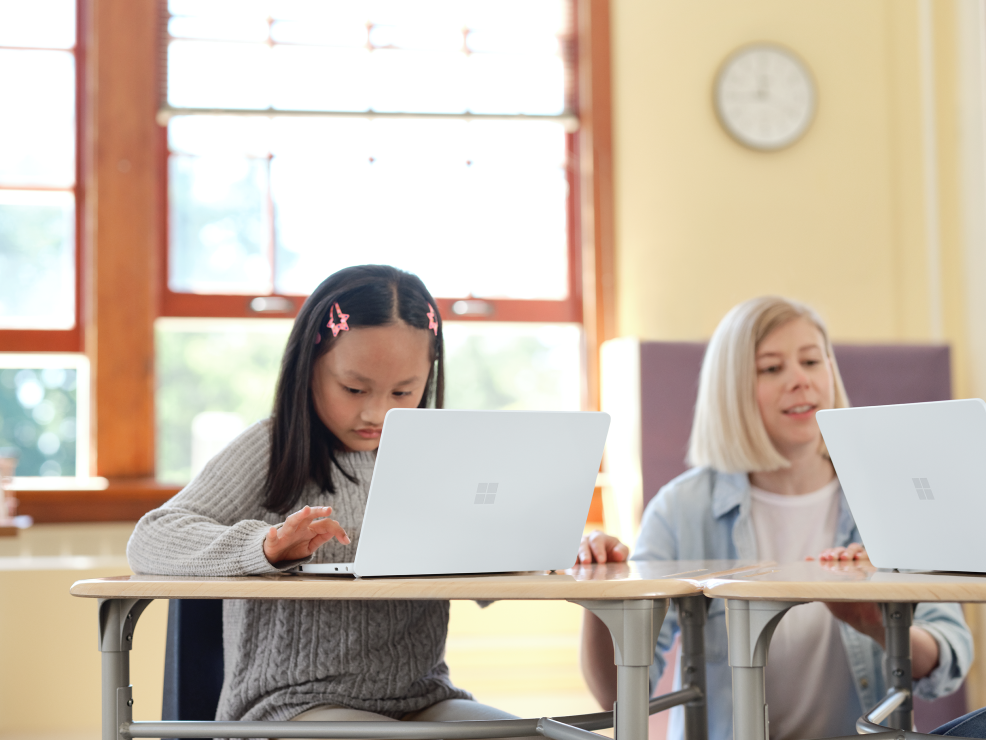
(915, 479)
(477, 492)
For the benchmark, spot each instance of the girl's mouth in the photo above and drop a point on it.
(369, 433)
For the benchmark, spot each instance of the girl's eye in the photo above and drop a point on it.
(772, 369)
(354, 391)
(402, 394)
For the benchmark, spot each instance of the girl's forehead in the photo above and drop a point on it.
(378, 351)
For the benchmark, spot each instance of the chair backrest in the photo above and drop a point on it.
(193, 659)
(874, 375)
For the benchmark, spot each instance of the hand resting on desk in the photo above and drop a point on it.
(301, 534)
(599, 547)
(855, 551)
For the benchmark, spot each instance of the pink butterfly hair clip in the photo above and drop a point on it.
(432, 320)
(343, 319)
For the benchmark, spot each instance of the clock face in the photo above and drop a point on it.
(765, 97)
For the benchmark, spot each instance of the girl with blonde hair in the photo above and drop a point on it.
(763, 488)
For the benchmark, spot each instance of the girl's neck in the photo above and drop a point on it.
(809, 471)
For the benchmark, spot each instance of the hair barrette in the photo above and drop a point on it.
(343, 319)
(432, 320)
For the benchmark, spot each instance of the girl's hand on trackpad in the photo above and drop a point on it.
(301, 534)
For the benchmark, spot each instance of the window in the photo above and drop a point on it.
(434, 136)
(305, 137)
(128, 174)
(38, 197)
(44, 419)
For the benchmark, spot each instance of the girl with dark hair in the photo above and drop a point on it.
(368, 339)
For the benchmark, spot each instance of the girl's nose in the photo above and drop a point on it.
(374, 410)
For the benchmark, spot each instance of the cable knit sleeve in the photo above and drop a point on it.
(216, 525)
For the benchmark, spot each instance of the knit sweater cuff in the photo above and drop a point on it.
(255, 562)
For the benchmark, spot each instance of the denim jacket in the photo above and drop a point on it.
(705, 514)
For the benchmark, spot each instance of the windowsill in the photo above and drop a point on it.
(127, 500)
(122, 500)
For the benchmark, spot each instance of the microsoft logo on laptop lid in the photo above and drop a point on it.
(923, 489)
(486, 493)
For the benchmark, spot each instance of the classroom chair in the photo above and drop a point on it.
(193, 659)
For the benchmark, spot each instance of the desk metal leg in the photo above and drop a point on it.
(117, 619)
(692, 613)
(751, 625)
(634, 626)
(897, 619)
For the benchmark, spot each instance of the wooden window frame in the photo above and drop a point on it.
(61, 340)
(122, 266)
(567, 310)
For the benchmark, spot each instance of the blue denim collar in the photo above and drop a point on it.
(729, 491)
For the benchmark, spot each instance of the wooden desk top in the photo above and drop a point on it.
(653, 580)
(813, 581)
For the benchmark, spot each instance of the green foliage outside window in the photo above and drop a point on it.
(37, 420)
(233, 368)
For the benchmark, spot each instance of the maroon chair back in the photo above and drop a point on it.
(874, 375)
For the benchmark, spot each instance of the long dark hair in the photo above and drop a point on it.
(302, 447)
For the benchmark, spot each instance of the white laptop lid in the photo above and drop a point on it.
(479, 491)
(915, 479)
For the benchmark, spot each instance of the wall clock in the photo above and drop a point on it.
(765, 96)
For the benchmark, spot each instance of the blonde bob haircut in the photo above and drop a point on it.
(728, 433)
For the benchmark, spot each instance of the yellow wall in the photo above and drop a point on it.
(49, 656)
(837, 220)
(49, 684)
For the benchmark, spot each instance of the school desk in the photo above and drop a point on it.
(631, 599)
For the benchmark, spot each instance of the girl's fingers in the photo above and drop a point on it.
(291, 524)
(331, 528)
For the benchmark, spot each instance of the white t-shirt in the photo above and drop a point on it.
(808, 678)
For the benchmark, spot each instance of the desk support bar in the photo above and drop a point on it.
(897, 619)
(573, 727)
(634, 626)
(117, 619)
(869, 723)
(751, 625)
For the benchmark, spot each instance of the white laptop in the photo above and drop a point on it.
(915, 479)
(477, 492)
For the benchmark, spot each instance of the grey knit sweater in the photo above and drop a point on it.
(284, 657)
